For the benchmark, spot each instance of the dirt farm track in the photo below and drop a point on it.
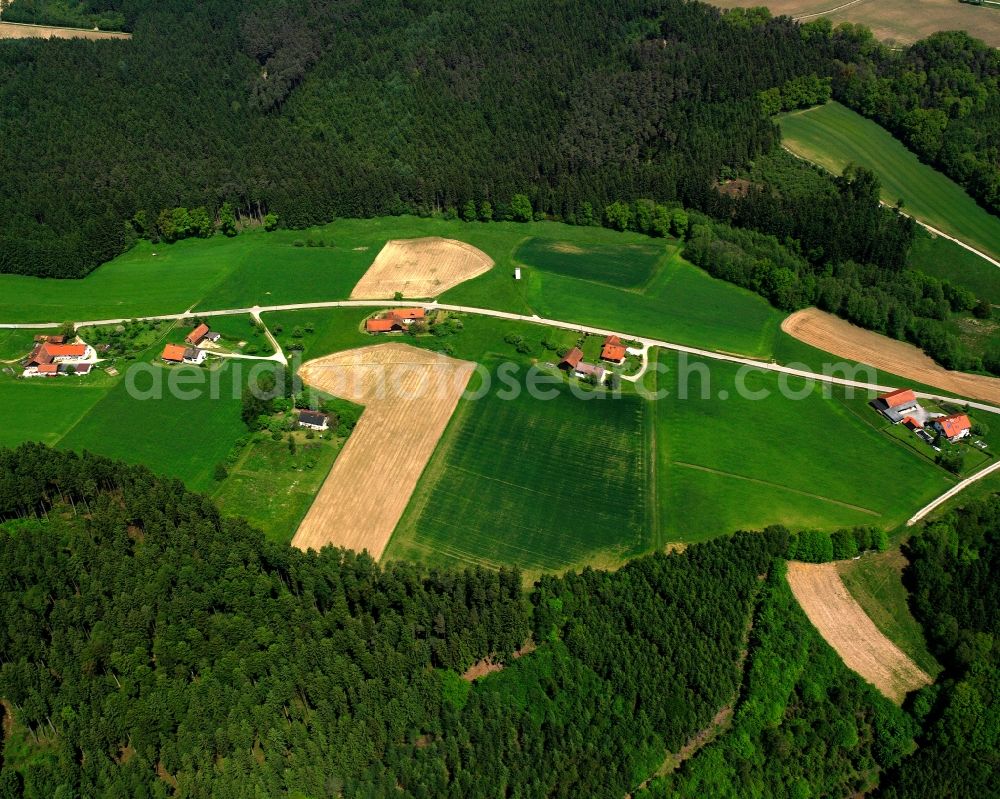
(420, 268)
(847, 628)
(409, 395)
(830, 333)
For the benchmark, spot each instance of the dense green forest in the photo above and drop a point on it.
(953, 582)
(145, 641)
(150, 647)
(326, 109)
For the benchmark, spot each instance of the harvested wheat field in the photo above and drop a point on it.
(845, 340)
(409, 395)
(845, 626)
(17, 30)
(420, 268)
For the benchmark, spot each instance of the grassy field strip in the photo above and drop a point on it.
(876, 582)
(833, 136)
(847, 628)
(759, 481)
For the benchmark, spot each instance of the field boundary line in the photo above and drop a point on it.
(777, 485)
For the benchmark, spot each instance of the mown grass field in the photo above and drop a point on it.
(543, 484)
(834, 136)
(876, 583)
(628, 266)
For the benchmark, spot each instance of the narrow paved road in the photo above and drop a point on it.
(951, 492)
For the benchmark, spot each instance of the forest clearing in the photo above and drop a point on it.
(19, 30)
(893, 21)
(409, 395)
(838, 336)
(845, 626)
(423, 267)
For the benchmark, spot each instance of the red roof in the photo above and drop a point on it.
(83, 368)
(573, 357)
(48, 368)
(954, 425)
(55, 339)
(197, 334)
(381, 325)
(65, 350)
(613, 352)
(909, 421)
(901, 396)
(173, 353)
(612, 340)
(408, 313)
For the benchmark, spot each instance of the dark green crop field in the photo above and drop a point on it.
(628, 266)
(544, 484)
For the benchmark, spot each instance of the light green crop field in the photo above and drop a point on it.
(741, 463)
(834, 136)
(543, 484)
(44, 409)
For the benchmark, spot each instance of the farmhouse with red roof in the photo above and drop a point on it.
(894, 405)
(571, 359)
(52, 357)
(395, 320)
(954, 427)
(613, 350)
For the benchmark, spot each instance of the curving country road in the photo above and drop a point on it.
(767, 366)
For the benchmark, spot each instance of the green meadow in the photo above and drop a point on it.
(589, 275)
(727, 461)
(834, 136)
(44, 409)
(181, 434)
(272, 487)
